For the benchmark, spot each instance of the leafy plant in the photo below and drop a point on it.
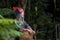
(8, 29)
(5, 11)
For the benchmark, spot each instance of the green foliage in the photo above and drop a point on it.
(5, 11)
(6, 21)
(8, 29)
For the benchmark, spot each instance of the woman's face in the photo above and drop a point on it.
(22, 15)
(21, 12)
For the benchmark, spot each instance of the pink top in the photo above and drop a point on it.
(20, 10)
(15, 8)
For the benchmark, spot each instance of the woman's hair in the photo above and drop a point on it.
(16, 13)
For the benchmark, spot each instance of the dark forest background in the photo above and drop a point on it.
(41, 15)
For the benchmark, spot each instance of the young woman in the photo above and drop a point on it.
(19, 13)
